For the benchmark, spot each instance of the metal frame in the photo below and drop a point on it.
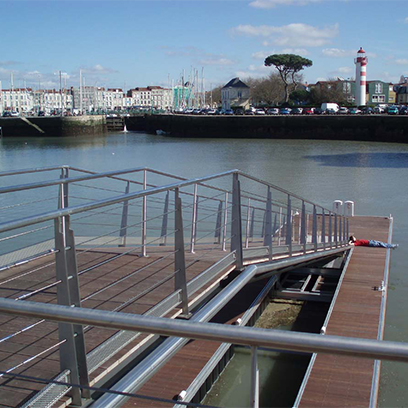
(228, 215)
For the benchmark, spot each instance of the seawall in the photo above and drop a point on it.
(53, 126)
(380, 128)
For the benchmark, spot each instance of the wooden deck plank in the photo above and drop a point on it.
(346, 381)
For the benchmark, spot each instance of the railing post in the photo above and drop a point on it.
(303, 227)
(344, 230)
(180, 282)
(63, 191)
(194, 220)
(217, 233)
(314, 228)
(280, 226)
(330, 230)
(335, 231)
(144, 215)
(254, 403)
(275, 224)
(236, 225)
(248, 222)
(251, 227)
(224, 230)
(163, 234)
(289, 226)
(72, 350)
(340, 235)
(323, 235)
(124, 220)
(268, 222)
(348, 232)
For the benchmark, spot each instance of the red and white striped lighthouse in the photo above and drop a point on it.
(361, 77)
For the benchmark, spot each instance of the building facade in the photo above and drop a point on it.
(235, 94)
(379, 92)
(18, 100)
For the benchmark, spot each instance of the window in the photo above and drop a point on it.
(378, 88)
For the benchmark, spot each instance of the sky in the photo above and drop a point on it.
(136, 43)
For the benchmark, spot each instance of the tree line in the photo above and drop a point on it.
(283, 85)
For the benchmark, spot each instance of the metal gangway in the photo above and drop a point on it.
(131, 250)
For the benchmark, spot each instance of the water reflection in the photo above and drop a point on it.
(377, 160)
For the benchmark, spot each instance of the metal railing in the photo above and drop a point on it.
(74, 221)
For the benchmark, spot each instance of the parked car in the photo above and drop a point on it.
(15, 114)
(308, 111)
(228, 112)
(196, 112)
(239, 111)
(41, 113)
(403, 110)
(296, 111)
(249, 112)
(284, 111)
(272, 111)
(343, 110)
(331, 111)
(392, 110)
(379, 109)
(354, 111)
(259, 112)
(367, 110)
(319, 111)
(6, 114)
(211, 112)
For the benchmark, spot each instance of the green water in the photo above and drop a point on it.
(374, 175)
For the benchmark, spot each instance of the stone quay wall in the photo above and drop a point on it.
(379, 128)
(53, 126)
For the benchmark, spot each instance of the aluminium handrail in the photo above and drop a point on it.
(32, 170)
(108, 201)
(134, 170)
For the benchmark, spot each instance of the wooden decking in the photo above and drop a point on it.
(344, 381)
(122, 284)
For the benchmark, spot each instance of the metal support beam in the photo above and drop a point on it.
(217, 233)
(247, 224)
(289, 226)
(163, 233)
(224, 230)
(194, 220)
(268, 223)
(330, 230)
(335, 231)
(303, 231)
(66, 332)
(254, 403)
(323, 235)
(180, 283)
(314, 228)
(144, 215)
(124, 220)
(236, 225)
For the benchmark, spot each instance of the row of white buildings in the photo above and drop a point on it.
(85, 99)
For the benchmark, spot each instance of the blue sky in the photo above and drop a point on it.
(138, 43)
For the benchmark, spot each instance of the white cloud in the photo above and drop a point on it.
(402, 61)
(298, 51)
(254, 71)
(406, 20)
(293, 35)
(339, 53)
(98, 69)
(345, 70)
(261, 55)
(268, 4)
(216, 61)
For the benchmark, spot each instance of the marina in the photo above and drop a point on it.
(129, 254)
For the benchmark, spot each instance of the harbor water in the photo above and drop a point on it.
(373, 175)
